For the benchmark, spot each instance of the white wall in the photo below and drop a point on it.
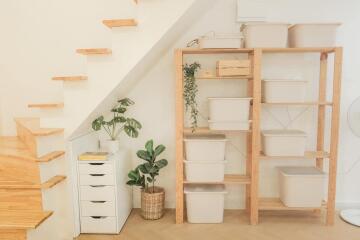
(155, 94)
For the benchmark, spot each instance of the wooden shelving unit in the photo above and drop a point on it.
(251, 178)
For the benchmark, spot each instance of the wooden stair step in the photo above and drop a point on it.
(94, 51)
(26, 185)
(46, 105)
(33, 126)
(120, 23)
(13, 147)
(70, 78)
(22, 219)
(51, 156)
(53, 181)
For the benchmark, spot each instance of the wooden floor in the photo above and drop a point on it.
(273, 226)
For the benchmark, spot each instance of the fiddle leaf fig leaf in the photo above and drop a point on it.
(126, 102)
(159, 149)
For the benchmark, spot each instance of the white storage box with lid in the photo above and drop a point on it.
(313, 35)
(228, 40)
(229, 125)
(204, 171)
(301, 186)
(229, 109)
(205, 147)
(205, 203)
(263, 35)
(283, 142)
(283, 90)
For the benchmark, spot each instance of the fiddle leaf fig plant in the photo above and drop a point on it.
(119, 121)
(146, 173)
(190, 90)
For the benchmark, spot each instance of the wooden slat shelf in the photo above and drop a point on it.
(225, 78)
(15, 219)
(308, 155)
(275, 204)
(206, 130)
(215, 51)
(94, 51)
(228, 179)
(46, 105)
(70, 78)
(51, 156)
(296, 103)
(111, 23)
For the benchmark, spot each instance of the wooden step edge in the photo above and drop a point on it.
(50, 156)
(34, 129)
(94, 51)
(70, 78)
(22, 219)
(53, 181)
(46, 105)
(111, 23)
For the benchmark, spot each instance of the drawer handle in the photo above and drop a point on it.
(97, 217)
(97, 185)
(98, 201)
(97, 175)
(96, 163)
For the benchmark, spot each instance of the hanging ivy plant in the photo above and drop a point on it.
(190, 90)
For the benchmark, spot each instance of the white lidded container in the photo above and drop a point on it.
(313, 35)
(301, 186)
(205, 147)
(224, 40)
(283, 142)
(205, 203)
(283, 90)
(266, 35)
(204, 171)
(229, 125)
(229, 109)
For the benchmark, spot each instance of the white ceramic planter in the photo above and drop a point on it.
(111, 146)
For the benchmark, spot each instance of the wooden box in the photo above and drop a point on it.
(227, 68)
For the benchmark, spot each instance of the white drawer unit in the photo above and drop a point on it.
(104, 198)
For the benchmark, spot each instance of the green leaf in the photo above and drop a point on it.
(143, 155)
(149, 179)
(143, 169)
(120, 119)
(159, 149)
(131, 182)
(118, 110)
(126, 102)
(97, 123)
(149, 145)
(133, 123)
(131, 132)
(161, 163)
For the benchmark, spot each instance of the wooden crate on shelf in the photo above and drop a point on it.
(226, 68)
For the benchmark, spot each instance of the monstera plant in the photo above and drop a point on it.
(144, 176)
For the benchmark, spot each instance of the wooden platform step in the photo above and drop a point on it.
(120, 23)
(46, 105)
(22, 219)
(26, 185)
(33, 126)
(53, 181)
(94, 51)
(70, 78)
(275, 204)
(51, 156)
(13, 147)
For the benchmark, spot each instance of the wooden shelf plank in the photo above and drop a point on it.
(228, 179)
(22, 219)
(216, 50)
(70, 78)
(33, 126)
(53, 181)
(296, 103)
(27, 185)
(225, 78)
(275, 204)
(94, 51)
(206, 130)
(51, 156)
(46, 105)
(120, 23)
(308, 155)
(299, 50)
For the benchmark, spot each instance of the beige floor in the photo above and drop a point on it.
(273, 226)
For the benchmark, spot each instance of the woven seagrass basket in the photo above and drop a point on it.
(152, 203)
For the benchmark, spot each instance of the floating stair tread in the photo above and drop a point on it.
(308, 155)
(22, 219)
(46, 105)
(70, 78)
(51, 156)
(206, 130)
(94, 51)
(33, 125)
(53, 181)
(120, 23)
(228, 179)
(276, 205)
(13, 147)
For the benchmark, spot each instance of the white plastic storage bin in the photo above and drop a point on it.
(229, 125)
(301, 186)
(283, 142)
(229, 109)
(205, 147)
(205, 171)
(221, 41)
(262, 35)
(205, 203)
(282, 90)
(313, 35)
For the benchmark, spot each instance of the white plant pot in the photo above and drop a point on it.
(111, 146)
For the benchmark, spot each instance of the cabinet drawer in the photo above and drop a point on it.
(96, 168)
(96, 224)
(97, 193)
(97, 208)
(97, 179)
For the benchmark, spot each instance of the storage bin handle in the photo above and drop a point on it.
(98, 201)
(97, 217)
(97, 185)
(97, 175)
(96, 163)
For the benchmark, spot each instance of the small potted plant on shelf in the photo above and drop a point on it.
(190, 90)
(144, 176)
(117, 124)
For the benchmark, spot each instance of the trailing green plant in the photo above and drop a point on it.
(190, 91)
(119, 122)
(146, 173)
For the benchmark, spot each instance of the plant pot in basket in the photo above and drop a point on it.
(152, 203)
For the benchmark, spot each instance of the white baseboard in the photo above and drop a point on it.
(346, 205)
